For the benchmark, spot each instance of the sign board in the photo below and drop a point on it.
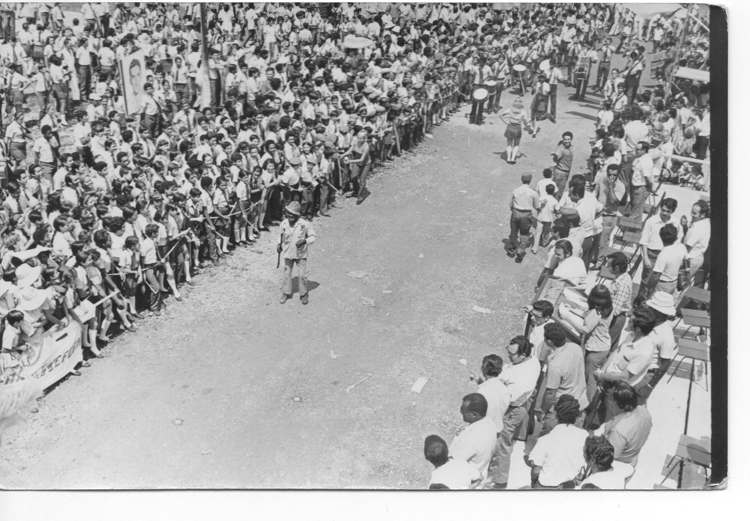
(693, 74)
(657, 62)
(50, 357)
(133, 75)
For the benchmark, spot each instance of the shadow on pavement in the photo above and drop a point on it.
(581, 115)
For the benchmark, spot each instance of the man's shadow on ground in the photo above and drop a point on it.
(311, 285)
(504, 155)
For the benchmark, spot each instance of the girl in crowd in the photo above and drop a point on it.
(516, 119)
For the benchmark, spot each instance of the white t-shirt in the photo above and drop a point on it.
(520, 379)
(455, 474)
(666, 346)
(475, 444)
(669, 261)
(650, 235)
(560, 454)
(571, 269)
(612, 479)
(498, 399)
(550, 206)
(697, 237)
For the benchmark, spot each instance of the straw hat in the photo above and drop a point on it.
(662, 302)
(294, 208)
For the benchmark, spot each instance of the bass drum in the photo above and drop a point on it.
(480, 94)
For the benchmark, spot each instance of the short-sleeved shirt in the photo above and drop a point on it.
(598, 339)
(498, 399)
(669, 261)
(642, 168)
(571, 269)
(612, 479)
(653, 225)
(520, 379)
(565, 373)
(628, 432)
(666, 346)
(697, 237)
(564, 158)
(560, 454)
(475, 444)
(632, 357)
(455, 474)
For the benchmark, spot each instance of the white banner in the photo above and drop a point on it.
(49, 359)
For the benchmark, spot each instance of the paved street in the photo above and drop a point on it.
(231, 389)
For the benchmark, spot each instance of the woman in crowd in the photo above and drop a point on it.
(602, 471)
(594, 330)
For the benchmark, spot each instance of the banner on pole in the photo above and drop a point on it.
(133, 74)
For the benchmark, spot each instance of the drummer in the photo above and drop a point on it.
(500, 74)
(481, 72)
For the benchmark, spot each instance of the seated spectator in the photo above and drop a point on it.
(558, 457)
(451, 473)
(569, 267)
(540, 315)
(565, 374)
(630, 361)
(663, 335)
(603, 472)
(631, 425)
(594, 330)
(621, 289)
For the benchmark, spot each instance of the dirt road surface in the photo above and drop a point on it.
(230, 389)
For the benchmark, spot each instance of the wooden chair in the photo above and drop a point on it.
(694, 350)
(692, 451)
(694, 294)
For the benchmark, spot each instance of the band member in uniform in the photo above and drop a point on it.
(539, 102)
(500, 72)
(605, 62)
(481, 72)
(296, 235)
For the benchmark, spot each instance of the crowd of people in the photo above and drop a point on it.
(272, 113)
(575, 386)
(266, 113)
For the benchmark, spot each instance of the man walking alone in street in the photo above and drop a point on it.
(523, 204)
(296, 235)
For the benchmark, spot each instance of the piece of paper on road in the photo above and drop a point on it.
(480, 309)
(419, 384)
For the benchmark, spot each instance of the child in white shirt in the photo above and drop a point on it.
(549, 207)
(544, 182)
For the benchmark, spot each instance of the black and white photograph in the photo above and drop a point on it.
(363, 246)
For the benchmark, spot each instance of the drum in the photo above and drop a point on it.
(519, 68)
(480, 94)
